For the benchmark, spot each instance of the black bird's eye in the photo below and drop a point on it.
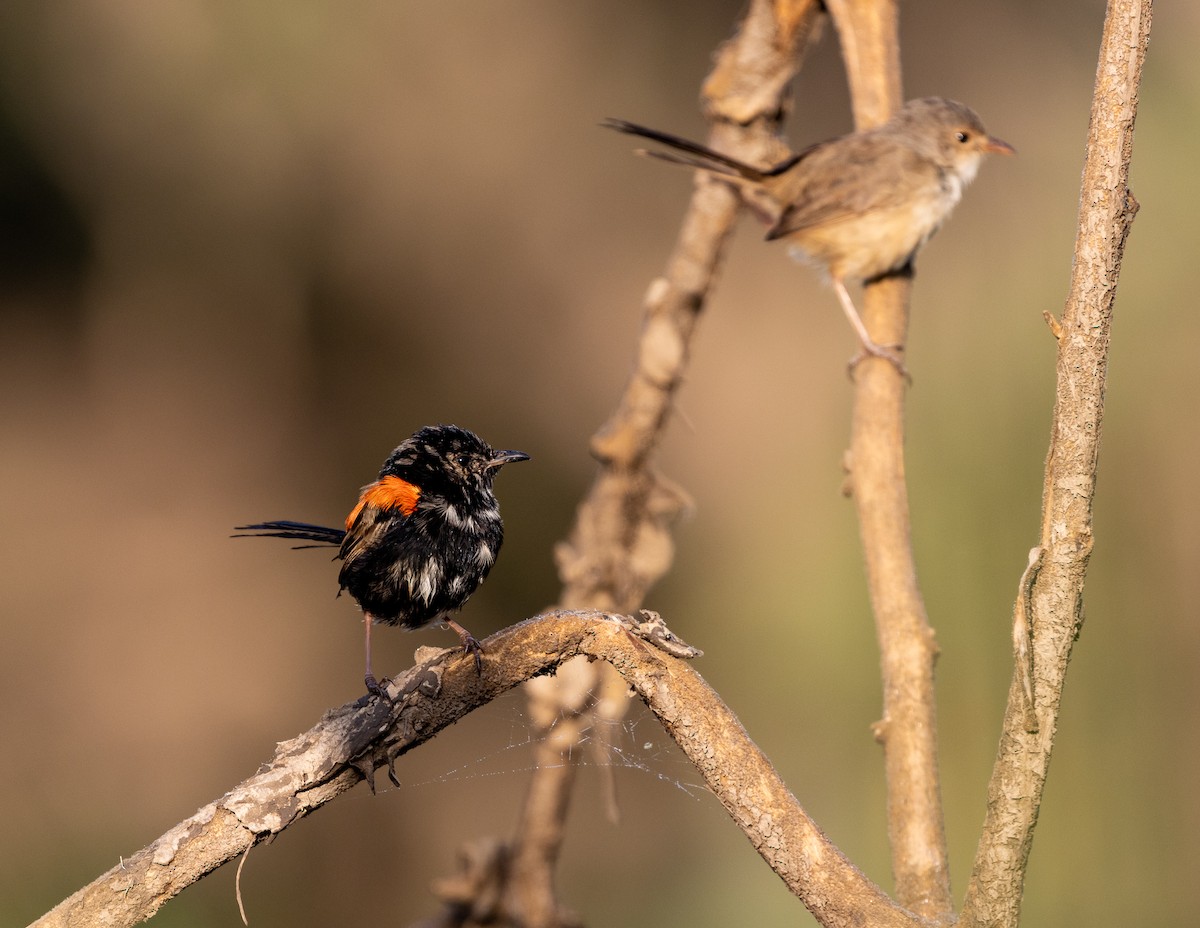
(961, 136)
(462, 460)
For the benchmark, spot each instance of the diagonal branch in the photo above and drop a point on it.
(1053, 593)
(346, 746)
(350, 743)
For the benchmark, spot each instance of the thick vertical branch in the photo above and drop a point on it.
(1054, 598)
(908, 650)
(869, 35)
(868, 31)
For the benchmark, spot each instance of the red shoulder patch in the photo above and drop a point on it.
(386, 494)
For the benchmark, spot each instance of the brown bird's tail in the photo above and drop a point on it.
(702, 157)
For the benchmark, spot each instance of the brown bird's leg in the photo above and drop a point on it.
(373, 686)
(470, 645)
(869, 347)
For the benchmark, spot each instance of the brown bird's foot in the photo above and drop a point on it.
(870, 349)
(373, 687)
(889, 353)
(470, 644)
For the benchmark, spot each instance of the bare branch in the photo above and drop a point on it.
(621, 544)
(868, 30)
(350, 743)
(345, 747)
(1055, 595)
(869, 35)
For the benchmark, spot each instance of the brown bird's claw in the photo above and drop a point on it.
(374, 689)
(886, 352)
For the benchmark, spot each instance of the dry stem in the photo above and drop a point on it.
(1055, 593)
(868, 30)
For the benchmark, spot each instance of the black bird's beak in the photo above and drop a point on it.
(500, 458)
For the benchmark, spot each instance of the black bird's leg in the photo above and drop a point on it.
(470, 645)
(373, 686)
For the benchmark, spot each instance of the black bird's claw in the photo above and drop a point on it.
(475, 649)
(374, 689)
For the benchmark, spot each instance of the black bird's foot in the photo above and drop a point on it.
(470, 645)
(475, 649)
(374, 689)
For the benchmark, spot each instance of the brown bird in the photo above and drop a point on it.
(861, 205)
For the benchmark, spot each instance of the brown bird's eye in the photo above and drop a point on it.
(961, 136)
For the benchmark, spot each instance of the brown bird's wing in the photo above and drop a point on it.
(844, 178)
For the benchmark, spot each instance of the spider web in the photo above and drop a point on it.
(635, 743)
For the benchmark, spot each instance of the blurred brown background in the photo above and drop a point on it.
(248, 247)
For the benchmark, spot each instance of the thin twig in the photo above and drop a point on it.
(1106, 211)
(237, 882)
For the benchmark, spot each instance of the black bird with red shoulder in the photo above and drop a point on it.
(423, 536)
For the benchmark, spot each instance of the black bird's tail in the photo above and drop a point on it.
(303, 531)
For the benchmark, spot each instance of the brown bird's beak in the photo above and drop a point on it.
(998, 146)
(500, 458)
